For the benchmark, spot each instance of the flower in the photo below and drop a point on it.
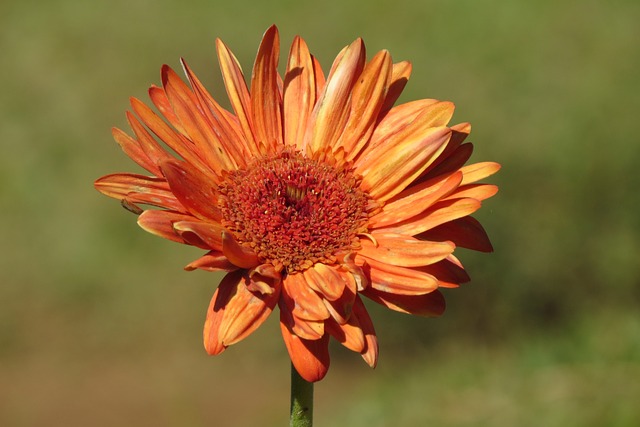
(311, 194)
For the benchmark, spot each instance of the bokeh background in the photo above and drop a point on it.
(99, 325)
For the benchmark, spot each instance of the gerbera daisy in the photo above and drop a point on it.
(311, 193)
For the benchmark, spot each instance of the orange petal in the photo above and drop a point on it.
(161, 101)
(341, 308)
(299, 93)
(325, 280)
(306, 303)
(465, 232)
(439, 213)
(396, 163)
(449, 164)
(348, 334)
(235, 312)
(148, 144)
(370, 352)
(225, 124)
(178, 143)
(132, 148)
(264, 278)
(474, 191)
(138, 189)
(236, 254)
(478, 171)
(399, 280)
(265, 96)
(428, 305)
(237, 92)
(197, 127)
(405, 251)
(193, 189)
(200, 233)
(332, 109)
(309, 357)
(366, 100)
(161, 223)
(449, 272)
(399, 78)
(211, 261)
(415, 199)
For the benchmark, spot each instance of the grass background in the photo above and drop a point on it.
(100, 326)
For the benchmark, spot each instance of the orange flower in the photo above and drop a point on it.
(311, 194)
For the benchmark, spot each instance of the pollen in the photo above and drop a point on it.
(294, 211)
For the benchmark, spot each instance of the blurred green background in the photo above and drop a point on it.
(99, 325)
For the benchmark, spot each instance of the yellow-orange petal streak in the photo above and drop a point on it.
(405, 251)
(238, 93)
(299, 93)
(265, 97)
(437, 214)
(415, 199)
(330, 114)
(366, 101)
(395, 164)
(400, 280)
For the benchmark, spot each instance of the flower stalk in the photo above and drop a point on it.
(301, 401)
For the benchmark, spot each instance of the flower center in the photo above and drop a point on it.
(294, 211)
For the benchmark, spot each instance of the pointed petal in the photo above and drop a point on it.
(465, 232)
(195, 124)
(415, 199)
(193, 189)
(236, 254)
(161, 101)
(310, 358)
(366, 100)
(399, 280)
(474, 191)
(398, 162)
(237, 92)
(299, 93)
(405, 251)
(223, 123)
(178, 143)
(332, 109)
(265, 96)
(211, 261)
(132, 148)
(428, 305)
(440, 213)
(138, 189)
(370, 352)
(148, 144)
(348, 334)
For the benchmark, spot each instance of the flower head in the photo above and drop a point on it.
(311, 193)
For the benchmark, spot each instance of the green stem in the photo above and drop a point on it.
(301, 401)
